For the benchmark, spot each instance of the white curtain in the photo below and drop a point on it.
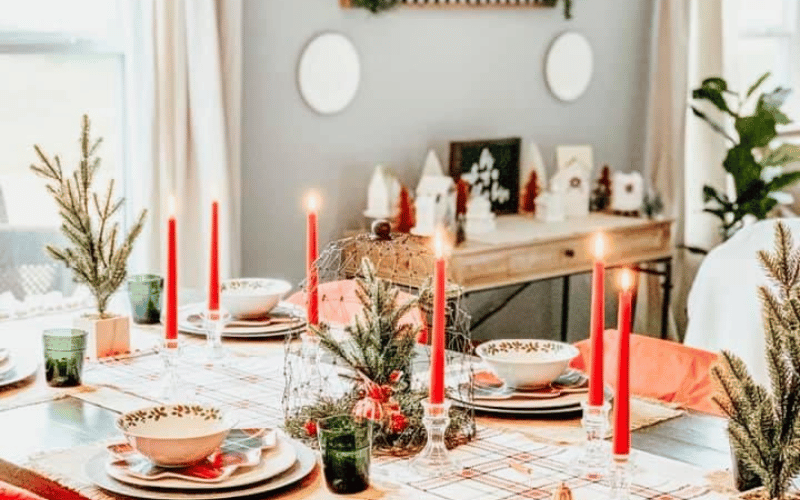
(183, 85)
(682, 153)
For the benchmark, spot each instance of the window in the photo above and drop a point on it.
(769, 40)
(59, 59)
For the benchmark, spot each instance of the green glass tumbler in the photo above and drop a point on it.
(64, 352)
(145, 292)
(346, 447)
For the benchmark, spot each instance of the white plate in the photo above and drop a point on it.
(279, 330)
(95, 470)
(25, 365)
(565, 401)
(6, 365)
(568, 410)
(273, 462)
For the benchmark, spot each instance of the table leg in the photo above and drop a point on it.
(666, 292)
(565, 309)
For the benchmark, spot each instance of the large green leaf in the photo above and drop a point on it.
(744, 168)
(782, 155)
(770, 103)
(759, 208)
(714, 125)
(757, 84)
(782, 181)
(712, 90)
(756, 131)
(710, 193)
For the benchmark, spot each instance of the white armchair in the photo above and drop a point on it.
(723, 306)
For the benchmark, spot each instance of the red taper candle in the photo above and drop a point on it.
(597, 325)
(171, 324)
(312, 273)
(437, 338)
(622, 400)
(213, 277)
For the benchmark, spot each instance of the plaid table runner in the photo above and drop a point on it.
(248, 387)
(252, 387)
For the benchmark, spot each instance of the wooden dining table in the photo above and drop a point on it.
(33, 422)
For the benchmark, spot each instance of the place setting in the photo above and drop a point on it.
(181, 451)
(527, 377)
(254, 309)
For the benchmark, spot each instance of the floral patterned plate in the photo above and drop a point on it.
(247, 456)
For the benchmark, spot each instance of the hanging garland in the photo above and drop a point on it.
(376, 6)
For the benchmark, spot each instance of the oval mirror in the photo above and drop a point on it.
(329, 73)
(569, 65)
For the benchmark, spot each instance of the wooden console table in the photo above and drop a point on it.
(523, 250)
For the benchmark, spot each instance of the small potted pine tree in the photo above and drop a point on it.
(97, 256)
(764, 421)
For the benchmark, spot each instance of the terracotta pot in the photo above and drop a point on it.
(107, 336)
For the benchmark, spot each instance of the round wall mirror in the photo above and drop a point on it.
(329, 73)
(569, 65)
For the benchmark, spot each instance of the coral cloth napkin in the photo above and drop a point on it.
(660, 369)
(9, 492)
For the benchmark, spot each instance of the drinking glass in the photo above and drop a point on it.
(64, 352)
(346, 447)
(145, 292)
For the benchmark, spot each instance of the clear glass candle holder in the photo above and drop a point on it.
(435, 460)
(619, 477)
(593, 455)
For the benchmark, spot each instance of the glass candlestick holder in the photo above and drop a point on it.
(619, 477)
(593, 455)
(215, 322)
(435, 460)
(171, 388)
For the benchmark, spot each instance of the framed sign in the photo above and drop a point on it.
(491, 167)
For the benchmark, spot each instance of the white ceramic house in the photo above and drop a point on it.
(627, 192)
(382, 194)
(435, 201)
(479, 217)
(534, 162)
(572, 183)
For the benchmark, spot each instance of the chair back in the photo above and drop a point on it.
(660, 369)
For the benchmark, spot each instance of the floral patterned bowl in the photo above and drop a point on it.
(527, 364)
(248, 298)
(175, 435)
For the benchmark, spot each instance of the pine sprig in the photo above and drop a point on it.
(95, 257)
(764, 425)
(381, 343)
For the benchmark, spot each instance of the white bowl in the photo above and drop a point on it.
(252, 297)
(526, 364)
(175, 435)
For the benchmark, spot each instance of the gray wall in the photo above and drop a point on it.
(428, 76)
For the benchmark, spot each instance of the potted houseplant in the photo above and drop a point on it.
(753, 161)
(764, 422)
(96, 256)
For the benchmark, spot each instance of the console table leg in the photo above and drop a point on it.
(666, 292)
(564, 309)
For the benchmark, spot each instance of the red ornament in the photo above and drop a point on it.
(310, 427)
(395, 376)
(398, 423)
(405, 212)
(369, 409)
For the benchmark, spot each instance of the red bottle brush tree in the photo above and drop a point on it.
(462, 195)
(405, 212)
(532, 191)
(601, 196)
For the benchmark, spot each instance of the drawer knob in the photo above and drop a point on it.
(569, 252)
